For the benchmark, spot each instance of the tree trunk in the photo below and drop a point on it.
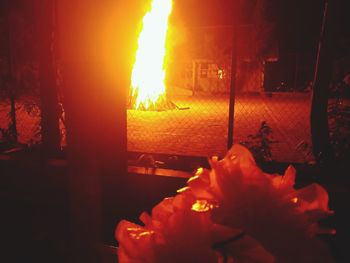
(11, 81)
(322, 78)
(50, 131)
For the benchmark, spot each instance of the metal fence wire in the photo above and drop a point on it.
(273, 95)
(288, 117)
(199, 126)
(196, 127)
(26, 116)
(271, 104)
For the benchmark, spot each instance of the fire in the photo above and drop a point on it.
(148, 74)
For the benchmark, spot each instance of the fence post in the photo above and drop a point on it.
(48, 91)
(12, 81)
(194, 76)
(322, 77)
(233, 78)
(13, 124)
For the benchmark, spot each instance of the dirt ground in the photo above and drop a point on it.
(198, 127)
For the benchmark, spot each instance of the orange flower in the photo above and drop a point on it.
(234, 212)
(266, 207)
(174, 233)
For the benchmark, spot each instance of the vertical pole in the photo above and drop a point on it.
(12, 85)
(296, 72)
(322, 78)
(194, 76)
(47, 76)
(233, 78)
(97, 42)
(12, 81)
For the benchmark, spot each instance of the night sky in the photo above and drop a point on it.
(297, 21)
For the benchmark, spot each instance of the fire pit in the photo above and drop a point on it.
(148, 90)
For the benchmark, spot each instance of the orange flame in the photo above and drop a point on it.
(148, 74)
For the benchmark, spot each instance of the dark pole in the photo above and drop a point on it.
(97, 39)
(12, 85)
(47, 76)
(11, 80)
(233, 78)
(322, 78)
(296, 71)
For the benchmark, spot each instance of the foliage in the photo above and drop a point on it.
(256, 43)
(18, 72)
(7, 139)
(260, 143)
(339, 121)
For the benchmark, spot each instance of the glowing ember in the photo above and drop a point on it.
(148, 75)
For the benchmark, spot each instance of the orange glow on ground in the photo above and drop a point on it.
(295, 200)
(148, 74)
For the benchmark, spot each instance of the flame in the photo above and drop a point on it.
(148, 74)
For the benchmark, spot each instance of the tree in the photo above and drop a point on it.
(48, 90)
(256, 42)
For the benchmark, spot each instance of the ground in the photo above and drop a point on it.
(199, 127)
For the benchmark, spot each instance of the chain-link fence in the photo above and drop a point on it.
(199, 127)
(287, 119)
(28, 120)
(272, 101)
(19, 120)
(19, 88)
